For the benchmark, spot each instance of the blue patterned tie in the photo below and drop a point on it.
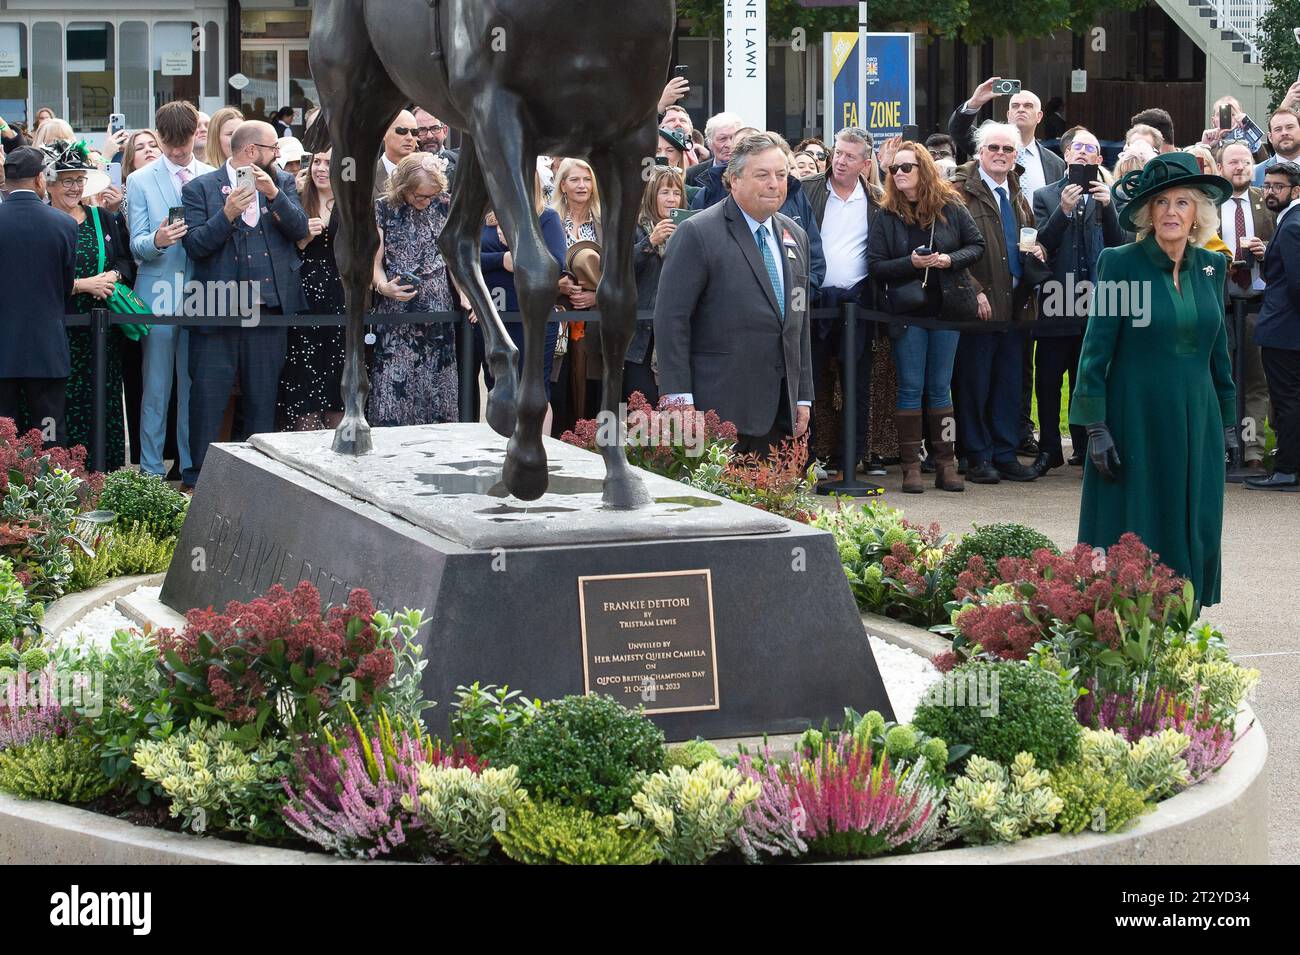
(772, 273)
(1011, 231)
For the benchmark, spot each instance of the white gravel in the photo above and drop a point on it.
(906, 674)
(96, 627)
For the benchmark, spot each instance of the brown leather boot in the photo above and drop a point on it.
(909, 449)
(945, 475)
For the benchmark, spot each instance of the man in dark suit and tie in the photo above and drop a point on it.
(37, 249)
(731, 321)
(1277, 333)
(1245, 222)
(1074, 225)
(242, 244)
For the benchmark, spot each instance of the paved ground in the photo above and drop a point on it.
(1259, 615)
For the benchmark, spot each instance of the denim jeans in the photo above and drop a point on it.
(166, 351)
(924, 359)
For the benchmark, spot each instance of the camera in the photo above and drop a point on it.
(1006, 87)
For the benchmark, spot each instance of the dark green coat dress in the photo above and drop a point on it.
(1162, 383)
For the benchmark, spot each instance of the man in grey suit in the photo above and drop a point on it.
(731, 321)
(242, 242)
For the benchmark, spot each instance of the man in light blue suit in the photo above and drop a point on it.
(152, 192)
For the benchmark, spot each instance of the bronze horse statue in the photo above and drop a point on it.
(519, 78)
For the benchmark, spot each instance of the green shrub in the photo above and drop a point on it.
(144, 499)
(133, 703)
(1001, 709)
(1094, 800)
(690, 754)
(121, 551)
(545, 833)
(62, 769)
(892, 565)
(693, 813)
(216, 784)
(1154, 765)
(992, 542)
(484, 717)
(989, 804)
(461, 809)
(586, 751)
(19, 614)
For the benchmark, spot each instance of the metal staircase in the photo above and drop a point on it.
(1235, 21)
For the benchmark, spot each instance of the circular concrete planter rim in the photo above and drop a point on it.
(1181, 822)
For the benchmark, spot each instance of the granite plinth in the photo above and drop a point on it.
(447, 479)
(503, 598)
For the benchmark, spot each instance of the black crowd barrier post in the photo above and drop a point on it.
(848, 484)
(1236, 470)
(468, 376)
(99, 392)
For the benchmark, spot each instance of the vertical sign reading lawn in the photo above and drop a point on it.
(744, 32)
(890, 69)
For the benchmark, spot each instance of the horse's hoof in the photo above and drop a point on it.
(501, 413)
(625, 492)
(525, 473)
(352, 436)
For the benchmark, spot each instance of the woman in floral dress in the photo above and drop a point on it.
(311, 391)
(415, 377)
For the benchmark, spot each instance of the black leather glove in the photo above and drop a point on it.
(1101, 451)
(1230, 440)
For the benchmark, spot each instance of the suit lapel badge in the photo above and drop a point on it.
(789, 254)
(1209, 270)
(787, 239)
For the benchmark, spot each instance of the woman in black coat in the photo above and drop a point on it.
(665, 191)
(96, 275)
(922, 209)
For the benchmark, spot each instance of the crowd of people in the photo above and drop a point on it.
(970, 226)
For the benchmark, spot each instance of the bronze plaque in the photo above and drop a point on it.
(647, 639)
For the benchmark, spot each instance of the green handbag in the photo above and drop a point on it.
(123, 300)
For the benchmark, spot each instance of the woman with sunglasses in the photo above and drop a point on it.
(817, 149)
(922, 211)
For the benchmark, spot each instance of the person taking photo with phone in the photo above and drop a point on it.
(157, 218)
(1038, 164)
(1076, 220)
(665, 192)
(244, 222)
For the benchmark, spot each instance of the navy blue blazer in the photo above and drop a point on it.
(38, 247)
(1278, 325)
(213, 242)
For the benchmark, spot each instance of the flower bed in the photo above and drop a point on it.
(281, 723)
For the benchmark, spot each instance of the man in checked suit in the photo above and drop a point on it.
(156, 243)
(242, 241)
(731, 321)
(1244, 220)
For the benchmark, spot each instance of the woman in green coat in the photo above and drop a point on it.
(1155, 384)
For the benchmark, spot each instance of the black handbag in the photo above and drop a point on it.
(960, 302)
(908, 297)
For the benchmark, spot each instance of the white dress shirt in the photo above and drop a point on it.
(173, 170)
(389, 165)
(844, 237)
(1228, 230)
(1033, 178)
